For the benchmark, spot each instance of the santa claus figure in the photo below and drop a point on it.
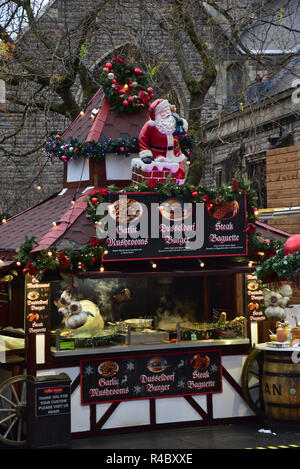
(159, 137)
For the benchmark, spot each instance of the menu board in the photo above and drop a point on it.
(149, 226)
(37, 306)
(254, 298)
(149, 376)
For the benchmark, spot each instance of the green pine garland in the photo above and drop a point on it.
(57, 147)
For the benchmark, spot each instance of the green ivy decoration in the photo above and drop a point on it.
(279, 266)
(125, 86)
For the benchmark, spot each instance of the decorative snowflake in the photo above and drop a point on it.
(181, 384)
(137, 389)
(130, 366)
(89, 370)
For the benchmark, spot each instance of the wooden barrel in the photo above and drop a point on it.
(281, 386)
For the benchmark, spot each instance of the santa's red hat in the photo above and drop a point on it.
(157, 106)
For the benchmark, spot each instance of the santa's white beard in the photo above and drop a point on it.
(165, 125)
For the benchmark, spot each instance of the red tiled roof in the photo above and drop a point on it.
(65, 221)
(106, 124)
(269, 231)
(38, 221)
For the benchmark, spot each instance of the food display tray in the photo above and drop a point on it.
(275, 344)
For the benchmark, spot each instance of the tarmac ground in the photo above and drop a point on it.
(250, 435)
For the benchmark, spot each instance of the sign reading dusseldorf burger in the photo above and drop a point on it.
(147, 226)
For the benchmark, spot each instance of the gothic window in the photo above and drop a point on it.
(234, 84)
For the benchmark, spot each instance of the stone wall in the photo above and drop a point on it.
(119, 23)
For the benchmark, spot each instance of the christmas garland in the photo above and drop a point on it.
(125, 86)
(186, 191)
(279, 267)
(57, 147)
(89, 257)
(63, 260)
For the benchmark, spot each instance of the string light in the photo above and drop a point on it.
(201, 263)
(49, 253)
(18, 263)
(4, 220)
(2, 260)
(154, 265)
(94, 113)
(102, 268)
(105, 252)
(250, 264)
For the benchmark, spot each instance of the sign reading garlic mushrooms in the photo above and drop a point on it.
(276, 301)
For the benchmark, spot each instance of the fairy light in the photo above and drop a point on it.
(154, 265)
(94, 113)
(250, 264)
(38, 187)
(49, 253)
(4, 220)
(18, 263)
(105, 252)
(201, 263)
(102, 268)
(2, 260)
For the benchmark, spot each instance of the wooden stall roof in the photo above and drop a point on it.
(107, 123)
(38, 222)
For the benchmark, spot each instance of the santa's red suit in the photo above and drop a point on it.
(156, 141)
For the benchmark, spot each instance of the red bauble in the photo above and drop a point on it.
(94, 200)
(125, 102)
(194, 193)
(57, 137)
(106, 70)
(292, 245)
(149, 89)
(137, 71)
(108, 65)
(130, 99)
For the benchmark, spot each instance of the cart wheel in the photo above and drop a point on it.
(251, 382)
(13, 411)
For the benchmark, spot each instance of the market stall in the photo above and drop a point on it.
(134, 289)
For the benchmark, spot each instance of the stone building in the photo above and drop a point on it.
(142, 31)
